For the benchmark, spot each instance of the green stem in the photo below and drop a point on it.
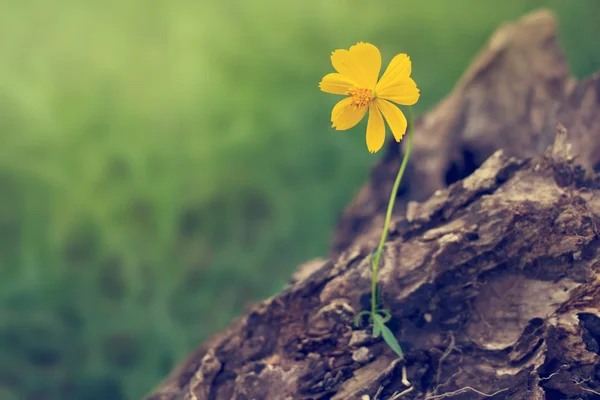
(388, 215)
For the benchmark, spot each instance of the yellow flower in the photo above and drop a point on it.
(357, 73)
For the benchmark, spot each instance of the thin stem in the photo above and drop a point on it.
(388, 215)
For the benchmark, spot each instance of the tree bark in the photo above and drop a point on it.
(491, 270)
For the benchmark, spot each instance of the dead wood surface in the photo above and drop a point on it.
(491, 271)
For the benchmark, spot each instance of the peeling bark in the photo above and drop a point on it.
(492, 273)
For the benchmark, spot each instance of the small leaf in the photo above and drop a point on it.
(377, 325)
(359, 316)
(379, 295)
(391, 340)
(376, 330)
(386, 315)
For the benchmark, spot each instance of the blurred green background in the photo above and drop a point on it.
(162, 162)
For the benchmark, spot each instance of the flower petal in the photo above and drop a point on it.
(375, 129)
(394, 117)
(399, 68)
(336, 84)
(402, 91)
(345, 116)
(361, 64)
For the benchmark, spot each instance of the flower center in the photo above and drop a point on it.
(361, 97)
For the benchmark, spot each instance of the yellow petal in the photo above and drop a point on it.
(361, 64)
(335, 83)
(394, 117)
(345, 116)
(399, 68)
(375, 129)
(402, 91)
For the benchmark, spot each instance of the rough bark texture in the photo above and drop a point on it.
(491, 270)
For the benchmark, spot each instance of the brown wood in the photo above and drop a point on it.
(491, 270)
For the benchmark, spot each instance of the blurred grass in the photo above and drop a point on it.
(162, 162)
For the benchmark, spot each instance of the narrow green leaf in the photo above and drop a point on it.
(386, 315)
(378, 295)
(377, 325)
(359, 316)
(391, 340)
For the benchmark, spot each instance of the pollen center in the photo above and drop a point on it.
(360, 97)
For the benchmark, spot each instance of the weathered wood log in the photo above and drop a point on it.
(492, 275)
